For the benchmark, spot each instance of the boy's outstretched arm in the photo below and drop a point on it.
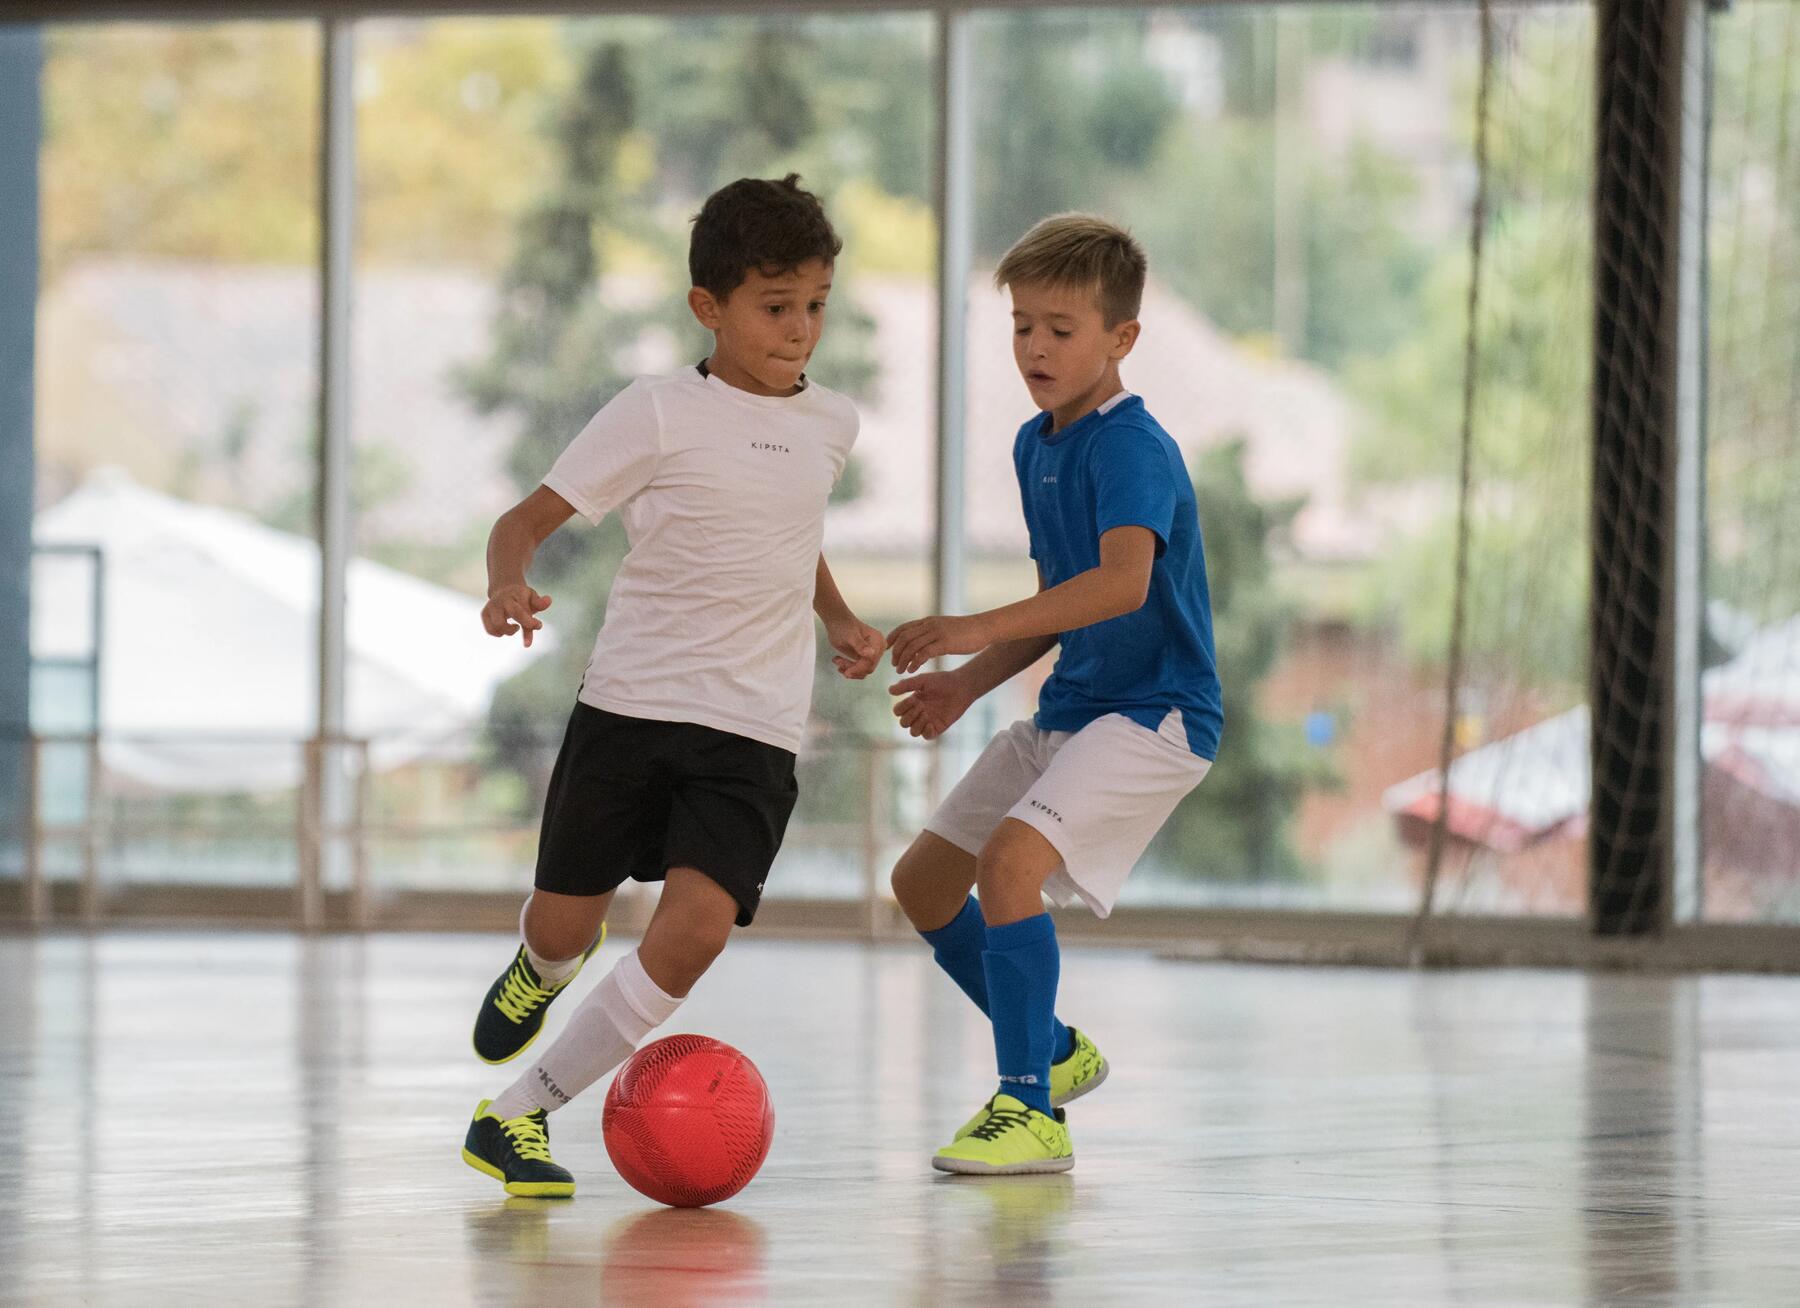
(1117, 587)
(858, 646)
(935, 700)
(513, 605)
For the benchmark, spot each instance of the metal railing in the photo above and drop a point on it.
(334, 828)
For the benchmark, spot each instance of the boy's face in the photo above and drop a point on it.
(768, 327)
(1064, 349)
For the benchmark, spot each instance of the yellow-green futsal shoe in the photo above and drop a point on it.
(1083, 1070)
(1012, 1140)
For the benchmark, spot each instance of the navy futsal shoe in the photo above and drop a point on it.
(512, 1015)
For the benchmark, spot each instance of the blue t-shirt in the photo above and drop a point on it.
(1117, 467)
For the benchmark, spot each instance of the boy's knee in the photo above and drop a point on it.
(910, 875)
(1010, 867)
(557, 936)
(557, 944)
(700, 936)
(675, 960)
(998, 865)
(690, 927)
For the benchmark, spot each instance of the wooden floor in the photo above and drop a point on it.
(259, 1119)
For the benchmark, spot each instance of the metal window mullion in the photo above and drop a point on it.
(954, 202)
(1687, 579)
(953, 199)
(337, 182)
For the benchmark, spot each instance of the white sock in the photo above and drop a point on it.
(602, 1033)
(551, 971)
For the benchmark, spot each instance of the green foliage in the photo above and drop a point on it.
(190, 142)
(554, 362)
(449, 139)
(1753, 411)
(1527, 586)
(1235, 827)
(1059, 119)
(1074, 115)
(1363, 267)
(559, 342)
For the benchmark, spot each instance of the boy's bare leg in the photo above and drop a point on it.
(641, 992)
(692, 922)
(1012, 869)
(932, 881)
(558, 929)
(557, 933)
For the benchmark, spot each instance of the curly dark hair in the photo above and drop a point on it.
(771, 226)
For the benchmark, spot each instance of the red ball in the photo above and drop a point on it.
(688, 1121)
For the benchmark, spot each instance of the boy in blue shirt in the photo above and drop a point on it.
(1128, 723)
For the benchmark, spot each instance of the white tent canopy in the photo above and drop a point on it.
(208, 658)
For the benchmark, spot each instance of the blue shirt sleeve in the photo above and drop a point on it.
(1134, 485)
(1024, 494)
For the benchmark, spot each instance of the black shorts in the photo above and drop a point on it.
(632, 798)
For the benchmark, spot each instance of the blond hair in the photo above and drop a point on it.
(1080, 250)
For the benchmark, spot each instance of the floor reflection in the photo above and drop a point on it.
(1015, 1229)
(1641, 1157)
(677, 1257)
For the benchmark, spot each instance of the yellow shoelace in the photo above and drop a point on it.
(519, 996)
(529, 1139)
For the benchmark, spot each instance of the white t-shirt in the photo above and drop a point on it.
(723, 495)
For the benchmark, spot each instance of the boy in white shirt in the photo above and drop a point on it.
(678, 763)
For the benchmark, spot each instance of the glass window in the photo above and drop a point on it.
(1750, 737)
(1300, 177)
(177, 339)
(526, 187)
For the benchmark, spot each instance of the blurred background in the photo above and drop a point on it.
(1301, 176)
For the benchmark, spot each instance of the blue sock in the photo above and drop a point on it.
(1022, 962)
(957, 948)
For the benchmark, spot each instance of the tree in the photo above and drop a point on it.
(192, 142)
(200, 141)
(561, 343)
(555, 361)
(1528, 541)
(1234, 827)
(1753, 359)
(1059, 119)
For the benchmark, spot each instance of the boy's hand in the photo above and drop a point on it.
(916, 643)
(514, 608)
(858, 647)
(934, 701)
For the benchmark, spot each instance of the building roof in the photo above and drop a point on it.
(1534, 784)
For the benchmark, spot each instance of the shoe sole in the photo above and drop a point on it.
(1086, 1087)
(524, 1189)
(969, 1167)
(496, 1062)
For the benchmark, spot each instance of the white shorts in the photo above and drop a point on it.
(1098, 795)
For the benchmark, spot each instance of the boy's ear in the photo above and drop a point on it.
(1124, 337)
(705, 307)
